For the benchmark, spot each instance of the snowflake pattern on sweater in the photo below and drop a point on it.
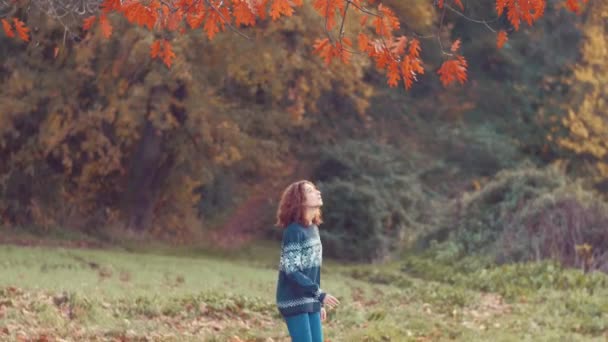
(298, 256)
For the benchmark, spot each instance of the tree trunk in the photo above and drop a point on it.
(150, 166)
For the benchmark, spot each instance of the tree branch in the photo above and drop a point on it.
(484, 22)
(6, 9)
(364, 10)
(439, 32)
(343, 20)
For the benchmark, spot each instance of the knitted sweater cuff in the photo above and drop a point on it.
(320, 295)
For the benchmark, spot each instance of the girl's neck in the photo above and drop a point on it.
(309, 215)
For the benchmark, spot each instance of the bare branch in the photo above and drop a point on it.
(439, 32)
(169, 5)
(419, 36)
(484, 22)
(6, 8)
(341, 32)
(364, 10)
(61, 8)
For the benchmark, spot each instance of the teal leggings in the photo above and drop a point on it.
(305, 327)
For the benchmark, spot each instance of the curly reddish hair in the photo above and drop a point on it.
(291, 207)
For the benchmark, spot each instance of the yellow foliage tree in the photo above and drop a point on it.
(586, 122)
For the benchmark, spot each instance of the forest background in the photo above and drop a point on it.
(103, 146)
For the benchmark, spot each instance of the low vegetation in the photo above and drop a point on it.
(50, 293)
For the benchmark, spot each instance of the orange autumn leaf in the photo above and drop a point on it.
(501, 38)
(195, 20)
(320, 44)
(8, 29)
(212, 24)
(459, 3)
(108, 6)
(416, 66)
(401, 60)
(168, 54)
(409, 75)
(414, 49)
(163, 50)
(363, 41)
(260, 8)
(327, 9)
(411, 66)
(173, 20)
(132, 12)
(392, 74)
(280, 7)
(574, 5)
(514, 17)
(165, 10)
(214, 21)
(386, 22)
(380, 54)
(323, 48)
(106, 27)
(363, 21)
(539, 9)
(500, 6)
(440, 3)
(453, 70)
(139, 14)
(154, 5)
(155, 49)
(87, 23)
(243, 13)
(521, 10)
(21, 29)
(399, 46)
(455, 46)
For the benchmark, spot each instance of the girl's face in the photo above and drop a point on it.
(312, 196)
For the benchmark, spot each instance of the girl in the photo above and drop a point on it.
(300, 299)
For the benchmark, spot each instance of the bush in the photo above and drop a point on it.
(569, 225)
(528, 214)
(375, 203)
(477, 149)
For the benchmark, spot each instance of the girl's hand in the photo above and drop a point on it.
(330, 301)
(323, 315)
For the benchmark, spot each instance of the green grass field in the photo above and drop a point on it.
(49, 293)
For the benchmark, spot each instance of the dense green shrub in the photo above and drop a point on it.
(477, 149)
(527, 214)
(374, 201)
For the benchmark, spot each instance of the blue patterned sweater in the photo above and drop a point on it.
(299, 281)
